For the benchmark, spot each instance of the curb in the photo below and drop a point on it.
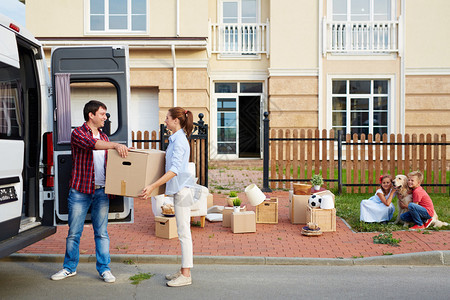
(430, 258)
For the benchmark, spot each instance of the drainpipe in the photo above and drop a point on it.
(174, 76)
(320, 107)
(178, 18)
(402, 67)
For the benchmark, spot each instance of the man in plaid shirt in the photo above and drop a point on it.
(87, 190)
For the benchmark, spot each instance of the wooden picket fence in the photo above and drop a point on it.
(141, 140)
(295, 155)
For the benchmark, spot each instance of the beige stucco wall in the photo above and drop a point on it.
(66, 18)
(293, 102)
(192, 90)
(294, 34)
(194, 18)
(48, 18)
(427, 104)
(427, 32)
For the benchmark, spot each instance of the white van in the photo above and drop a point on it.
(35, 126)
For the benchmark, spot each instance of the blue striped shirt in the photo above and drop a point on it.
(177, 161)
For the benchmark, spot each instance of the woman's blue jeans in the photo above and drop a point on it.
(79, 204)
(416, 213)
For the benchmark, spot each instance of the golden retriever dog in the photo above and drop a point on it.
(404, 195)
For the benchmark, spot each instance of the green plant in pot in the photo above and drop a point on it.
(237, 204)
(317, 181)
(231, 196)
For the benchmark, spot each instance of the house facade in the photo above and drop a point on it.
(361, 66)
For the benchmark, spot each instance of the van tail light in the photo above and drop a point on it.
(49, 176)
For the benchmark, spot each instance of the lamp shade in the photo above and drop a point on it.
(327, 202)
(254, 195)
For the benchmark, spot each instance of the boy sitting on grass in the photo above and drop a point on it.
(421, 209)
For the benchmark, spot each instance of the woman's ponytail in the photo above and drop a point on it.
(186, 119)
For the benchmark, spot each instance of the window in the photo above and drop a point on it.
(360, 106)
(226, 125)
(118, 15)
(362, 10)
(239, 19)
(11, 119)
(82, 92)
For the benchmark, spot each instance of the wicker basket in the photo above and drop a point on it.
(302, 189)
(267, 212)
(308, 232)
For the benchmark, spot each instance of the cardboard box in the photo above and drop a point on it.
(226, 215)
(297, 208)
(325, 218)
(210, 200)
(243, 222)
(165, 227)
(267, 212)
(128, 176)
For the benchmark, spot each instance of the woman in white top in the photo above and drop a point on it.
(379, 207)
(178, 179)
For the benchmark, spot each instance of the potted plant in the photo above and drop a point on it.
(317, 181)
(237, 205)
(231, 196)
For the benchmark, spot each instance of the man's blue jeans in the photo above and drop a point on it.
(416, 213)
(79, 204)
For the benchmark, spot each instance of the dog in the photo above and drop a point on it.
(404, 195)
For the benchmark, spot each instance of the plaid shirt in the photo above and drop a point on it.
(83, 143)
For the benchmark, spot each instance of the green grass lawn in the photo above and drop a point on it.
(347, 207)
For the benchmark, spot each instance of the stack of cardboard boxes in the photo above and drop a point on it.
(301, 213)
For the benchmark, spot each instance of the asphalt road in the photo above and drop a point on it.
(30, 280)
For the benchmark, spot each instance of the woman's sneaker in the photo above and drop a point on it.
(180, 281)
(173, 276)
(107, 276)
(63, 274)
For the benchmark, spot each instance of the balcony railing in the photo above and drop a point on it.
(361, 37)
(239, 39)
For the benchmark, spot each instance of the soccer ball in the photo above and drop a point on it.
(314, 201)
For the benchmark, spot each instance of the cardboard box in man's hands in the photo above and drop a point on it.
(128, 176)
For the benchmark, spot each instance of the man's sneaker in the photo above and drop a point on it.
(63, 274)
(173, 276)
(107, 276)
(428, 222)
(180, 281)
(417, 227)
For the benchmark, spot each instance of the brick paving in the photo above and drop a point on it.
(280, 240)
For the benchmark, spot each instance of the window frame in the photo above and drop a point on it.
(372, 13)
(246, 56)
(106, 31)
(391, 111)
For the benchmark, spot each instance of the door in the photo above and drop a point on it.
(249, 127)
(83, 74)
(19, 134)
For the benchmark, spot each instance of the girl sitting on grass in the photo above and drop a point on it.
(379, 208)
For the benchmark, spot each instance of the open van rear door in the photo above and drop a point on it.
(80, 74)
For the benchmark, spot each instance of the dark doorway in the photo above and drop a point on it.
(249, 126)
